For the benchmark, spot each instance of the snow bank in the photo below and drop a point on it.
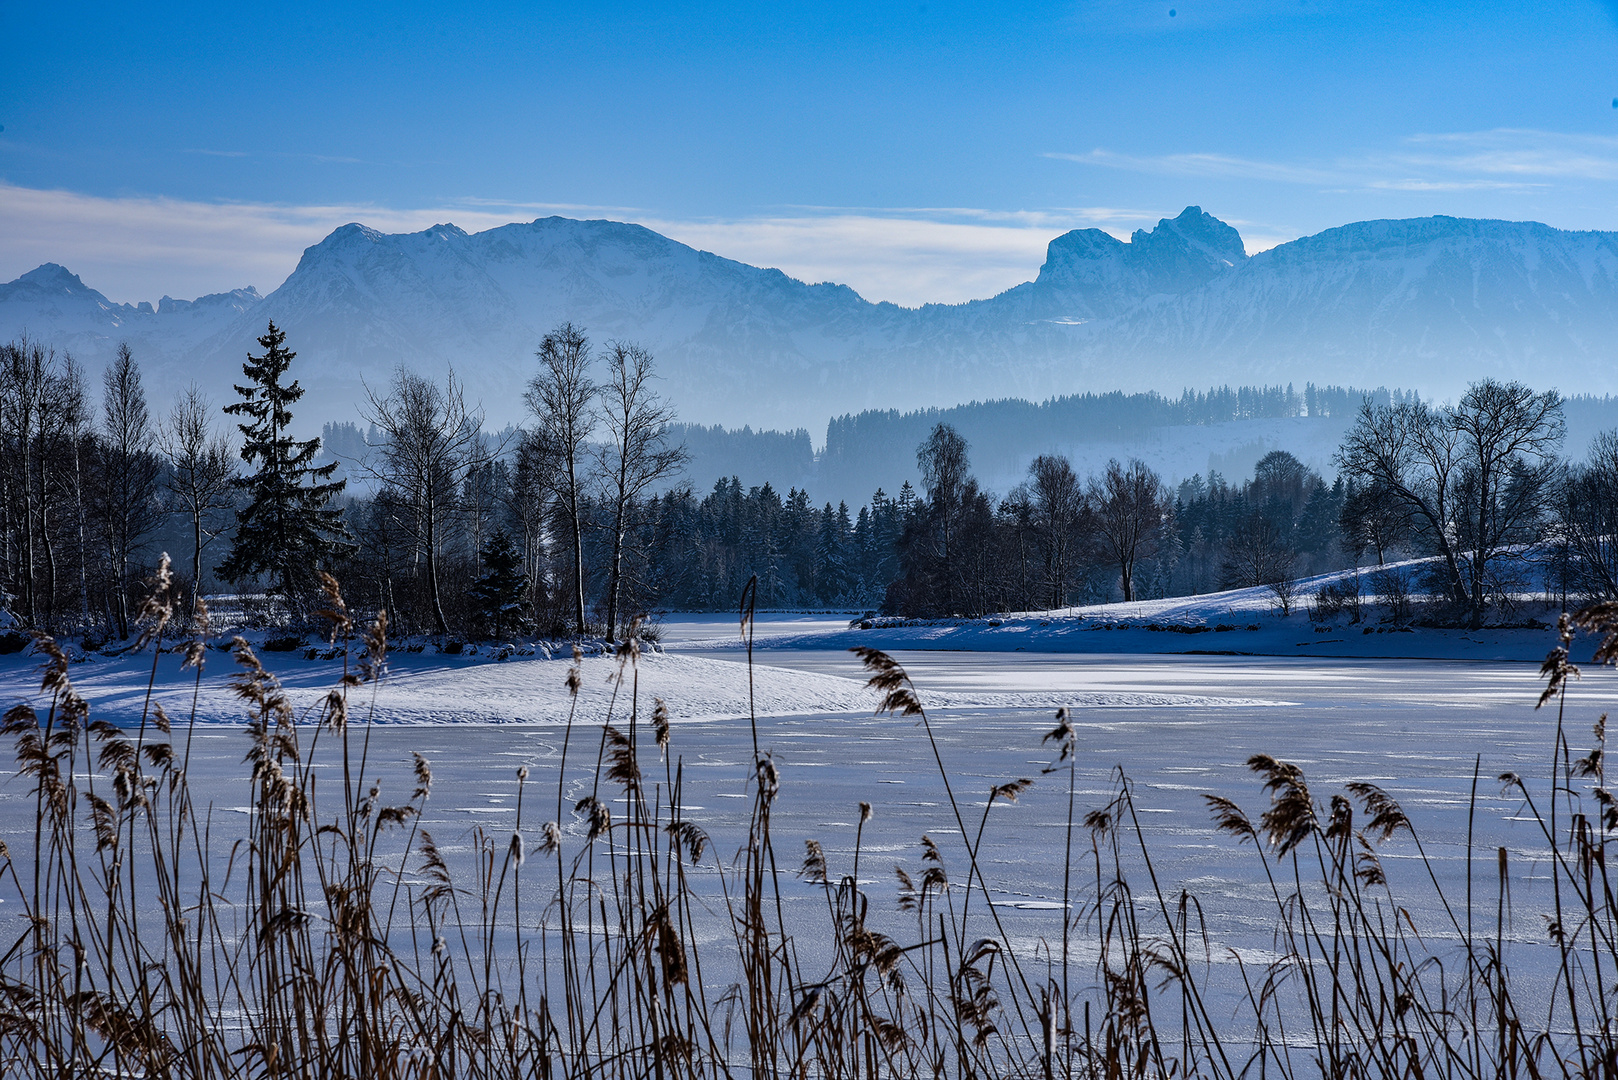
(442, 690)
(1242, 622)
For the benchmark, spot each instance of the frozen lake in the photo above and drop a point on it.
(1177, 726)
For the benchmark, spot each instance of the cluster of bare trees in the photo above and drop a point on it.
(1468, 482)
(83, 490)
(579, 473)
(449, 525)
(1051, 538)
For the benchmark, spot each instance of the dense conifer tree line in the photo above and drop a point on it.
(576, 521)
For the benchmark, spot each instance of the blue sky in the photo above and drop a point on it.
(917, 151)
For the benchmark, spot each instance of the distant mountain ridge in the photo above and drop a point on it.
(1427, 303)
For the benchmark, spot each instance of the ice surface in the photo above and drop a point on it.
(1417, 727)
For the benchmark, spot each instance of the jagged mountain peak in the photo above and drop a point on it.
(1091, 274)
(53, 276)
(235, 299)
(1194, 230)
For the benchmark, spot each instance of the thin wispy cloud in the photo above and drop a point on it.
(1220, 165)
(1064, 217)
(1521, 152)
(1416, 185)
(293, 155)
(138, 248)
(910, 255)
(907, 261)
(1503, 159)
(551, 207)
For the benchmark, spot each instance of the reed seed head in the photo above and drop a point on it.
(660, 723)
(769, 778)
(813, 869)
(424, 776)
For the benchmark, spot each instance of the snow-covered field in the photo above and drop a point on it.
(1177, 725)
(1233, 622)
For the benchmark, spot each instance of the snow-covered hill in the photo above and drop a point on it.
(1427, 304)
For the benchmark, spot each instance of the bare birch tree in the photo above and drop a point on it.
(1130, 509)
(201, 468)
(1057, 503)
(25, 366)
(562, 398)
(430, 440)
(946, 474)
(637, 454)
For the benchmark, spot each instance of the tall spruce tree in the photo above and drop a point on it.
(289, 529)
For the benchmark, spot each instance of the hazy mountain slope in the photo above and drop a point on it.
(1431, 302)
(51, 304)
(361, 302)
(1427, 304)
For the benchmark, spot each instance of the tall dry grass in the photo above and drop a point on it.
(336, 938)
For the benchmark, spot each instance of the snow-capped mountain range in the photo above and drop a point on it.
(1427, 304)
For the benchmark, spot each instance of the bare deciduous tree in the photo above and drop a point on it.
(1509, 437)
(1472, 474)
(1587, 515)
(1130, 509)
(637, 454)
(25, 366)
(528, 502)
(63, 422)
(430, 440)
(1058, 503)
(1411, 453)
(1375, 521)
(1258, 553)
(562, 398)
(201, 468)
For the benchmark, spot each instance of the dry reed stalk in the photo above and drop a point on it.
(337, 938)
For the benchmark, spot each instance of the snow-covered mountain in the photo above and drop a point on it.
(51, 304)
(1427, 304)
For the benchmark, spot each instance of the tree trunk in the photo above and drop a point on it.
(578, 574)
(120, 564)
(614, 571)
(578, 546)
(613, 579)
(440, 623)
(438, 605)
(1479, 558)
(78, 511)
(50, 550)
(196, 561)
(50, 571)
(27, 576)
